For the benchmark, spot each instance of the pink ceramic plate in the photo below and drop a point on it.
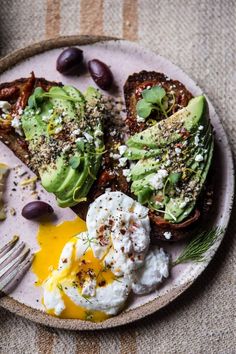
(124, 59)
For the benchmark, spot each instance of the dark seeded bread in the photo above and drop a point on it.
(135, 84)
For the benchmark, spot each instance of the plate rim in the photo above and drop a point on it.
(150, 307)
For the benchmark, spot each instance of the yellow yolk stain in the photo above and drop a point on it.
(74, 311)
(52, 239)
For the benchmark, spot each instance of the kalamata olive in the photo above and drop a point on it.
(70, 61)
(36, 209)
(100, 73)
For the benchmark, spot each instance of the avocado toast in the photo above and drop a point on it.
(170, 150)
(58, 134)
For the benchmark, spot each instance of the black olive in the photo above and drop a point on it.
(70, 61)
(36, 209)
(100, 73)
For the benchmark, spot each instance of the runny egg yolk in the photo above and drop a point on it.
(52, 239)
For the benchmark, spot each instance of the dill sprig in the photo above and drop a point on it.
(196, 249)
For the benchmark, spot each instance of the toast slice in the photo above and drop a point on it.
(137, 82)
(17, 93)
(178, 97)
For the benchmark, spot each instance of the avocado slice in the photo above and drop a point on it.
(52, 178)
(184, 144)
(68, 190)
(74, 93)
(155, 137)
(33, 126)
(134, 153)
(62, 104)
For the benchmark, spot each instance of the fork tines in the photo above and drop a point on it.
(15, 260)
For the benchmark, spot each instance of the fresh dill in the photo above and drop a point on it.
(195, 250)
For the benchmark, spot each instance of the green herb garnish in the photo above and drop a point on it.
(174, 177)
(80, 144)
(152, 100)
(39, 94)
(154, 95)
(144, 108)
(196, 249)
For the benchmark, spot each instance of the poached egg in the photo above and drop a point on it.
(98, 268)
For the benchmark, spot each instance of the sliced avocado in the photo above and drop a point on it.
(74, 93)
(189, 158)
(63, 179)
(144, 167)
(90, 94)
(68, 191)
(70, 179)
(33, 126)
(137, 154)
(61, 103)
(188, 117)
(52, 178)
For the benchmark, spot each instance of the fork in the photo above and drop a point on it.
(15, 260)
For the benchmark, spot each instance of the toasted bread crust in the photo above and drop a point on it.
(17, 93)
(137, 82)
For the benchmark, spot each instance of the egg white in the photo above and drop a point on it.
(118, 236)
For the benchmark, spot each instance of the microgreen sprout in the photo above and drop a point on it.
(152, 101)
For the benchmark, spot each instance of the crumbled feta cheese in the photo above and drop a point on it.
(97, 144)
(126, 173)
(167, 163)
(113, 133)
(44, 118)
(58, 130)
(140, 119)
(115, 156)
(196, 140)
(98, 133)
(88, 136)
(5, 106)
(122, 161)
(58, 120)
(16, 124)
(66, 148)
(184, 203)
(201, 127)
(199, 158)
(157, 180)
(167, 235)
(122, 149)
(76, 132)
(178, 151)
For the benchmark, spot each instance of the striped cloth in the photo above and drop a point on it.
(200, 37)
